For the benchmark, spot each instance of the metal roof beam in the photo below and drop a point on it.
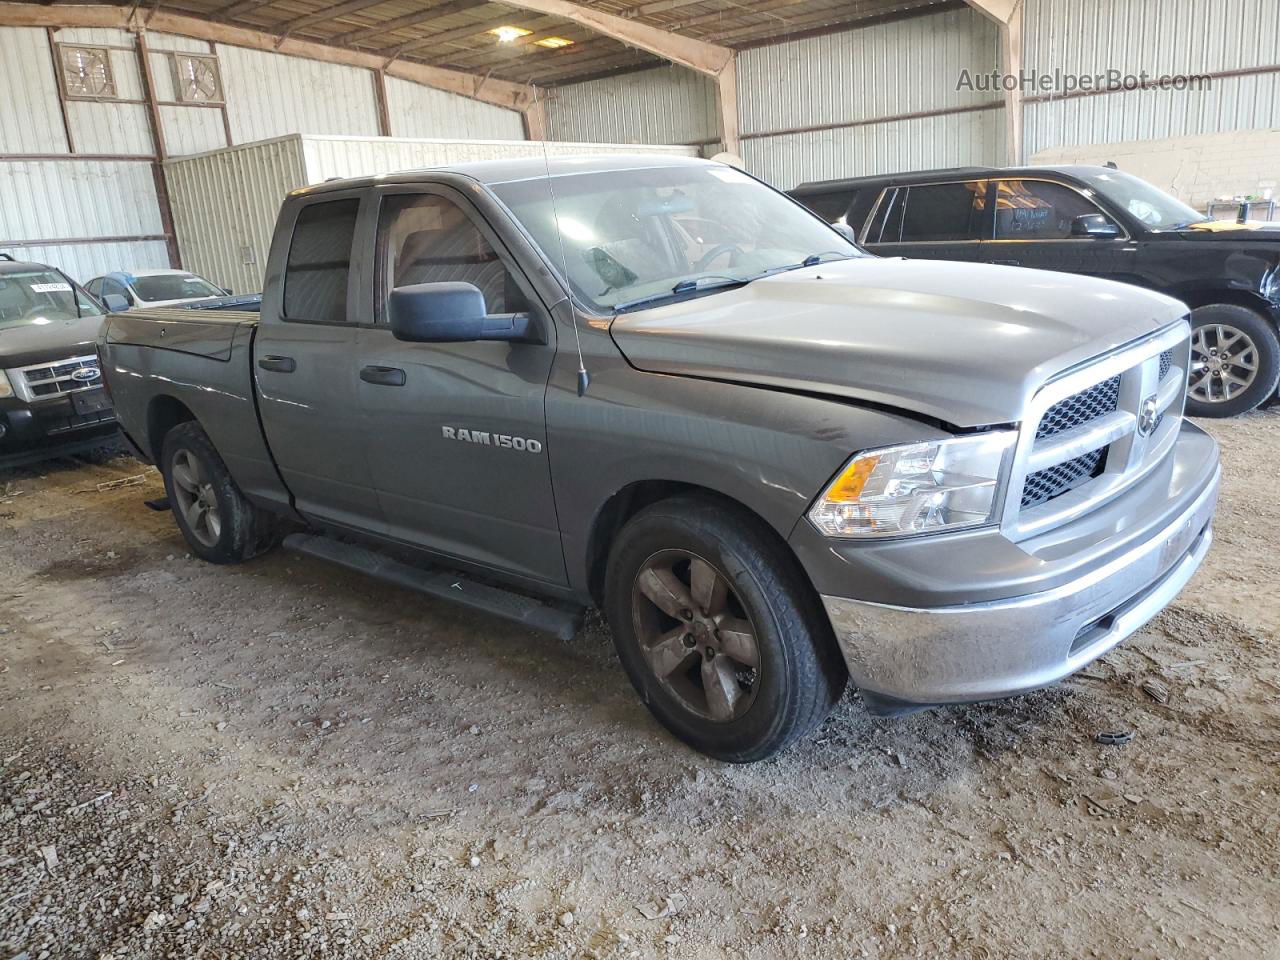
(409, 20)
(1008, 15)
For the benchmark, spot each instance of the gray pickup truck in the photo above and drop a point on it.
(659, 386)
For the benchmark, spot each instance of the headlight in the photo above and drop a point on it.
(916, 488)
(6, 388)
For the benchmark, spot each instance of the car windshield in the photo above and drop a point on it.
(1157, 209)
(174, 286)
(659, 233)
(42, 296)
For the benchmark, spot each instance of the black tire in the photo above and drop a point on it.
(1265, 356)
(243, 530)
(801, 675)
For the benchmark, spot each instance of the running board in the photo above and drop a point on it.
(562, 621)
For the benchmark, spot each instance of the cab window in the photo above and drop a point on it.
(829, 206)
(319, 265)
(427, 238)
(1036, 210)
(944, 212)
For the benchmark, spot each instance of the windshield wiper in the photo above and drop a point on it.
(813, 259)
(689, 285)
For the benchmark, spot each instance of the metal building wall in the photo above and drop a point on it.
(270, 95)
(878, 99)
(225, 202)
(662, 105)
(186, 128)
(418, 111)
(30, 122)
(1238, 38)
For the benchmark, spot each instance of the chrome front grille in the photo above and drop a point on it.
(44, 380)
(1095, 431)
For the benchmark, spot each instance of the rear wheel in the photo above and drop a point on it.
(1235, 361)
(717, 630)
(219, 524)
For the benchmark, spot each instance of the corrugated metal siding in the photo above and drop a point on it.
(77, 198)
(906, 66)
(225, 204)
(169, 41)
(663, 105)
(1159, 37)
(84, 261)
(269, 95)
(114, 128)
(30, 121)
(109, 36)
(190, 130)
(418, 111)
(948, 140)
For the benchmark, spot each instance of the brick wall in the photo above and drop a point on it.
(1194, 169)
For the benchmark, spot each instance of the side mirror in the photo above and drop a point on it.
(115, 303)
(1094, 226)
(845, 231)
(452, 312)
(228, 292)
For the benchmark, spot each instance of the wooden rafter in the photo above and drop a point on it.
(426, 15)
(513, 96)
(334, 12)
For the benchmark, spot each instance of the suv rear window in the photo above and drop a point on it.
(944, 211)
(829, 206)
(319, 265)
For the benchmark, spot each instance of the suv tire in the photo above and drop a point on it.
(737, 658)
(1250, 340)
(216, 520)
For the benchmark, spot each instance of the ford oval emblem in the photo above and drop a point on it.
(86, 374)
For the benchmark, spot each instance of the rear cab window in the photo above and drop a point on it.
(830, 206)
(318, 269)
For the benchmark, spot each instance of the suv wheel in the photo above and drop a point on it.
(718, 631)
(1235, 361)
(219, 524)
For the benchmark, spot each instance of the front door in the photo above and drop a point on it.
(1034, 222)
(305, 364)
(457, 435)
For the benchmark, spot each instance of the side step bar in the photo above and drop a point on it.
(562, 621)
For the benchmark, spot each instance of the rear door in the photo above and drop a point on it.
(931, 221)
(1033, 228)
(307, 370)
(456, 432)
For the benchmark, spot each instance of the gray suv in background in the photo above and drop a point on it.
(660, 386)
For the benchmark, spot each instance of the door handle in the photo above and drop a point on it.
(383, 376)
(277, 364)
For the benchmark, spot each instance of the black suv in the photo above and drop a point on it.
(52, 399)
(1097, 221)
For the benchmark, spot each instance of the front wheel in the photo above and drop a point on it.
(718, 631)
(1235, 361)
(219, 524)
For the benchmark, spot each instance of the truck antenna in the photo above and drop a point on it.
(584, 378)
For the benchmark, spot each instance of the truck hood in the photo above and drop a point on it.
(966, 344)
(1228, 230)
(24, 344)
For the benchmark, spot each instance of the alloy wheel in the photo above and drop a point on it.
(1224, 363)
(197, 501)
(695, 634)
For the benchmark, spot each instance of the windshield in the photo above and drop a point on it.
(174, 286)
(638, 234)
(1157, 209)
(42, 296)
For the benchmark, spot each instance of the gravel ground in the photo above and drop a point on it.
(286, 760)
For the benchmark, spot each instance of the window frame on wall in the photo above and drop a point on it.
(175, 56)
(63, 48)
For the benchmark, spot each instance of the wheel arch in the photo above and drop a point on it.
(1209, 296)
(164, 412)
(626, 502)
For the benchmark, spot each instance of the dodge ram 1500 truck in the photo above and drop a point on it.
(660, 386)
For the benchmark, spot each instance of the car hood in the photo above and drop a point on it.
(28, 343)
(172, 303)
(965, 344)
(1230, 230)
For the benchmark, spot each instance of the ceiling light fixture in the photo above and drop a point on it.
(509, 34)
(554, 43)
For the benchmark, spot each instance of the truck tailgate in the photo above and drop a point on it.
(185, 331)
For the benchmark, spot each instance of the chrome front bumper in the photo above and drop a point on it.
(904, 656)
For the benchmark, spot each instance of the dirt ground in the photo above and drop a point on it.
(286, 760)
